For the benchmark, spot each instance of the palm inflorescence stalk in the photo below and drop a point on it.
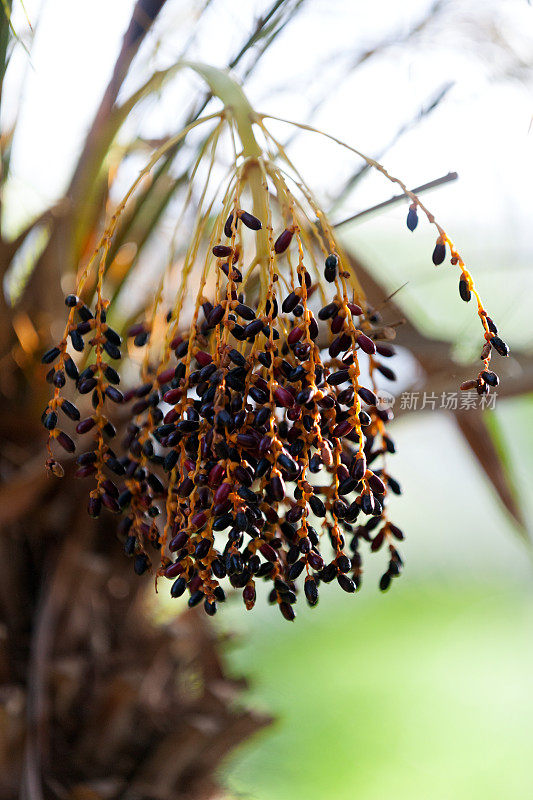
(255, 444)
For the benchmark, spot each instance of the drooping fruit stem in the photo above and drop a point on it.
(227, 89)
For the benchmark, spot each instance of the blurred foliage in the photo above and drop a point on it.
(36, 262)
(357, 721)
(423, 695)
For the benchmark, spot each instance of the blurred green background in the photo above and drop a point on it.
(426, 691)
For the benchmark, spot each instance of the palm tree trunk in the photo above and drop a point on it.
(96, 699)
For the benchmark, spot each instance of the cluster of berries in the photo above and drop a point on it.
(258, 443)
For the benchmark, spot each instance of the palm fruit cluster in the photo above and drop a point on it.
(253, 446)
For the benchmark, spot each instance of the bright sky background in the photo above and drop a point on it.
(482, 130)
(424, 691)
(433, 689)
